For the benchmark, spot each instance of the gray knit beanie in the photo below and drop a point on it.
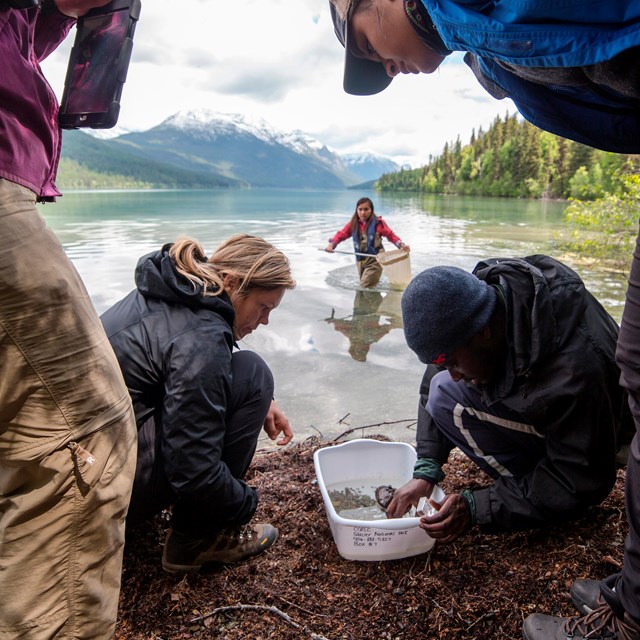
(442, 309)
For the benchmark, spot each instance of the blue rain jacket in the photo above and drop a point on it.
(550, 33)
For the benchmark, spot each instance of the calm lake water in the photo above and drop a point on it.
(335, 350)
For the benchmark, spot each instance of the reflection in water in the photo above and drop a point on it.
(373, 317)
(105, 233)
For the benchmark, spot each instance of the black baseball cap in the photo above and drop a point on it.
(361, 77)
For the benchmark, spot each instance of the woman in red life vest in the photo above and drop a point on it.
(366, 230)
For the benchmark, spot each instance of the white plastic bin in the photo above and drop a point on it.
(366, 464)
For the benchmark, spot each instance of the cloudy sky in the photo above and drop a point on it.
(279, 60)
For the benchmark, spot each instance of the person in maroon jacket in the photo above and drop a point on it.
(67, 430)
(366, 230)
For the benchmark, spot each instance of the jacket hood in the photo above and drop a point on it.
(156, 276)
(539, 291)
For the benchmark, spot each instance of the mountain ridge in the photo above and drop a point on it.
(203, 148)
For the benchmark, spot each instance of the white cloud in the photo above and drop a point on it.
(280, 60)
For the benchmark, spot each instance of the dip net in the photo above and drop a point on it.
(396, 265)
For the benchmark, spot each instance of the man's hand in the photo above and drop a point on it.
(450, 521)
(77, 8)
(407, 496)
(276, 423)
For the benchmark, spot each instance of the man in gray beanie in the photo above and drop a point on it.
(462, 306)
(521, 377)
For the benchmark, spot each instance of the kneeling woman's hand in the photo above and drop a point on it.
(277, 423)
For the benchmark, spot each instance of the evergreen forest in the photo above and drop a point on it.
(517, 160)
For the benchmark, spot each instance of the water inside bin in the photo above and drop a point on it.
(355, 500)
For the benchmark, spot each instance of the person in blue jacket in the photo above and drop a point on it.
(571, 67)
(199, 404)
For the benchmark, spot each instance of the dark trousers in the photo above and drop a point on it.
(628, 359)
(251, 396)
(495, 439)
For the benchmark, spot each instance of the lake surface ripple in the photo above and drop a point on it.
(337, 352)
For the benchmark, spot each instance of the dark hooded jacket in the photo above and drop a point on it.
(560, 377)
(174, 347)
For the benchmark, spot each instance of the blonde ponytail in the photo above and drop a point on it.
(250, 260)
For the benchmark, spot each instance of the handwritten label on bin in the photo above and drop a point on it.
(367, 537)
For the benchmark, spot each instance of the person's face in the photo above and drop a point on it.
(364, 211)
(253, 309)
(383, 33)
(476, 362)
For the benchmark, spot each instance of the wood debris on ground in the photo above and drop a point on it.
(480, 587)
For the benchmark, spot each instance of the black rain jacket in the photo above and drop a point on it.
(174, 347)
(561, 378)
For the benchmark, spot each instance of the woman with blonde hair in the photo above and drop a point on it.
(200, 404)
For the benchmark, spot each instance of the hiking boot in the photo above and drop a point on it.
(183, 553)
(586, 595)
(601, 624)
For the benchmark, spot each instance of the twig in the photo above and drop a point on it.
(312, 439)
(369, 426)
(448, 613)
(613, 561)
(297, 606)
(258, 607)
(489, 614)
(414, 577)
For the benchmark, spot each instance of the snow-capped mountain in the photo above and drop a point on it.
(369, 166)
(239, 150)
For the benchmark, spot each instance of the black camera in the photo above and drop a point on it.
(22, 4)
(98, 66)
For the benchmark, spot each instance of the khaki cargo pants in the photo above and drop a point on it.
(67, 440)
